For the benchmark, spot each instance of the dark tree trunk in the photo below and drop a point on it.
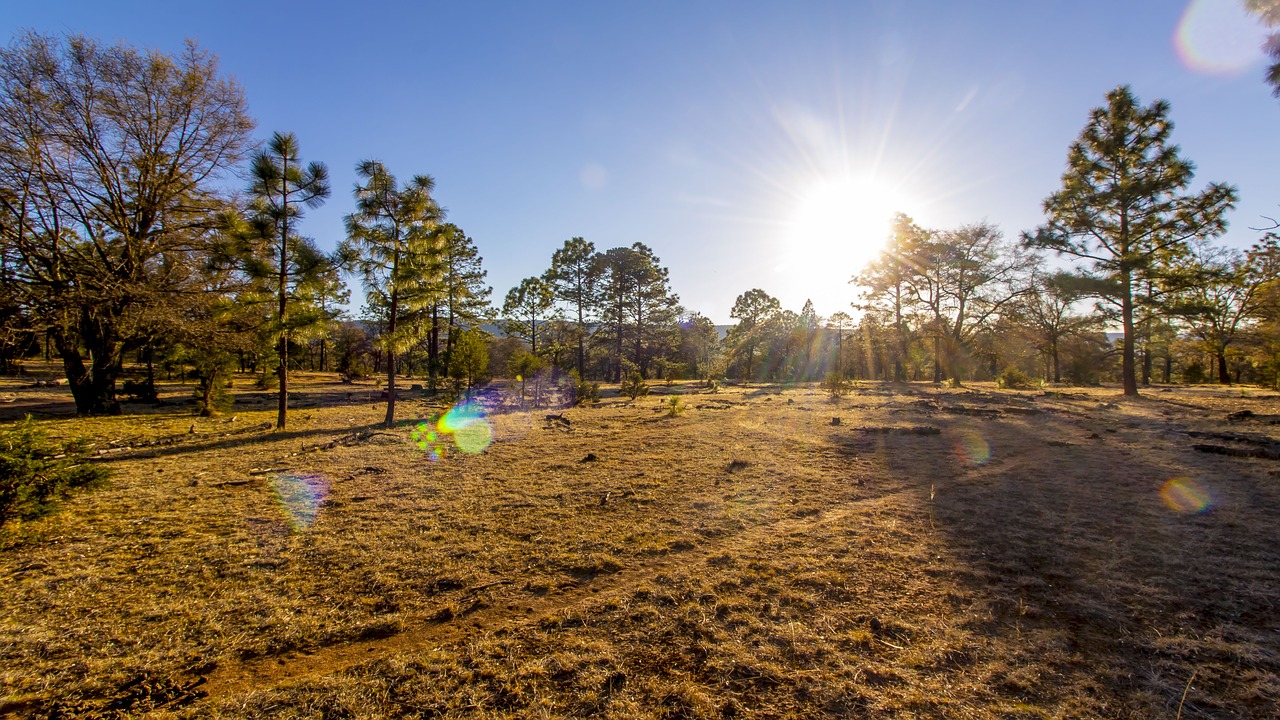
(433, 342)
(1127, 370)
(390, 420)
(1224, 375)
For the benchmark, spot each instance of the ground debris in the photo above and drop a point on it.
(558, 421)
(1251, 416)
(900, 430)
(973, 411)
(1267, 453)
(1247, 438)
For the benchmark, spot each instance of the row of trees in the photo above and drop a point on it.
(119, 233)
(122, 233)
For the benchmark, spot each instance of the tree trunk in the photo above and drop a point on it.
(282, 405)
(390, 420)
(92, 388)
(1127, 369)
(937, 358)
(582, 345)
(1224, 375)
(433, 343)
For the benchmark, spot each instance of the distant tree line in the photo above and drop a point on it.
(124, 238)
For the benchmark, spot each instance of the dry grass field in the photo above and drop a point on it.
(939, 553)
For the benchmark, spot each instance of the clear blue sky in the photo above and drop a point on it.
(699, 128)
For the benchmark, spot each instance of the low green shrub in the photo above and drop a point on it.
(1012, 377)
(674, 407)
(634, 386)
(837, 385)
(35, 472)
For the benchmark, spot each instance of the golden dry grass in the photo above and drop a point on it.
(747, 558)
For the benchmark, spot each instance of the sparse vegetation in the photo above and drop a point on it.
(584, 392)
(819, 556)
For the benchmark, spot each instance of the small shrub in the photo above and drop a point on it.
(674, 406)
(1194, 374)
(586, 392)
(634, 386)
(1012, 377)
(142, 390)
(837, 385)
(35, 473)
(265, 381)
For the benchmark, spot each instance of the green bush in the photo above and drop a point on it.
(584, 392)
(634, 386)
(837, 384)
(1194, 374)
(674, 407)
(35, 472)
(1012, 377)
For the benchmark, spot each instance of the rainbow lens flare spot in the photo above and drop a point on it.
(471, 432)
(1218, 37)
(1186, 496)
(973, 448)
(464, 424)
(300, 496)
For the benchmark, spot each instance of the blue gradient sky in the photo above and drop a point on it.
(698, 127)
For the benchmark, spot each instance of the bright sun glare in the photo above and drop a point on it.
(841, 224)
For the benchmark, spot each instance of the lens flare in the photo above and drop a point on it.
(301, 497)
(971, 447)
(471, 432)
(427, 440)
(1186, 496)
(463, 424)
(1218, 37)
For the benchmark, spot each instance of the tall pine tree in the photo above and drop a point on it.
(1124, 204)
(392, 242)
(281, 187)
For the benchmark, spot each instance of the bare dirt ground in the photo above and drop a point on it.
(967, 553)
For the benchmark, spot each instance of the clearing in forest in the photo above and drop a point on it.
(967, 552)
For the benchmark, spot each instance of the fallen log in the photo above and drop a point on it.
(1253, 452)
(898, 430)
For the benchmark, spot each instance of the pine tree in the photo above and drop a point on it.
(392, 242)
(281, 187)
(1123, 204)
(887, 288)
(575, 278)
(753, 310)
(465, 297)
(525, 311)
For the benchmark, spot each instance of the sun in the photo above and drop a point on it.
(842, 223)
(834, 227)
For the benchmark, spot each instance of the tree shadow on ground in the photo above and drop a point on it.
(1091, 570)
